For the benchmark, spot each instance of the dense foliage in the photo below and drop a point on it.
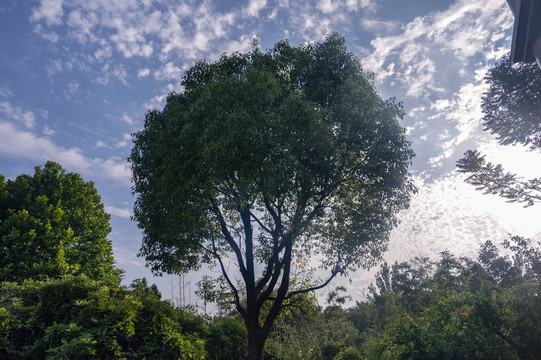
(512, 105)
(53, 224)
(60, 295)
(453, 308)
(74, 317)
(266, 159)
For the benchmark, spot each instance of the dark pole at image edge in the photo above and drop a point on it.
(526, 43)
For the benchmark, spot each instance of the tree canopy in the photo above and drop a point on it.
(271, 160)
(51, 224)
(460, 308)
(512, 111)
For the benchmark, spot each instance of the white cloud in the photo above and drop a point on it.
(27, 145)
(125, 141)
(50, 10)
(118, 71)
(127, 256)
(124, 213)
(73, 86)
(463, 111)
(143, 72)
(416, 110)
(326, 6)
(5, 91)
(438, 62)
(206, 26)
(71, 90)
(516, 159)
(127, 119)
(273, 14)
(48, 35)
(379, 26)
(255, 6)
(124, 118)
(54, 67)
(314, 27)
(47, 131)
(243, 44)
(420, 76)
(168, 72)
(157, 101)
(367, 5)
(129, 40)
(18, 114)
(429, 44)
(82, 24)
(449, 214)
(104, 52)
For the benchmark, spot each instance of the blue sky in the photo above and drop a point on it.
(77, 77)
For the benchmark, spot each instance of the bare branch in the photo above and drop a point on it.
(260, 223)
(229, 238)
(240, 309)
(334, 272)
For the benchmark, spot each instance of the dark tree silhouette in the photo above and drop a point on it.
(512, 111)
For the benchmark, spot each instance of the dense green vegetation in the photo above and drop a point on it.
(60, 295)
(449, 308)
(452, 308)
(74, 317)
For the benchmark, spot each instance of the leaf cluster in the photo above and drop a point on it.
(450, 308)
(512, 105)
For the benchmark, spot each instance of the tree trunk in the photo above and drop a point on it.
(256, 344)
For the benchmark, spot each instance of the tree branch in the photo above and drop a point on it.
(229, 238)
(263, 226)
(284, 285)
(240, 309)
(334, 272)
(493, 180)
(274, 261)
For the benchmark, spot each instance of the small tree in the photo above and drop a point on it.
(51, 224)
(272, 161)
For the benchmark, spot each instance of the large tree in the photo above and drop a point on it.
(276, 162)
(512, 111)
(51, 224)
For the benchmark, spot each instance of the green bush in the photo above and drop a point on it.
(75, 317)
(348, 353)
(226, 339)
